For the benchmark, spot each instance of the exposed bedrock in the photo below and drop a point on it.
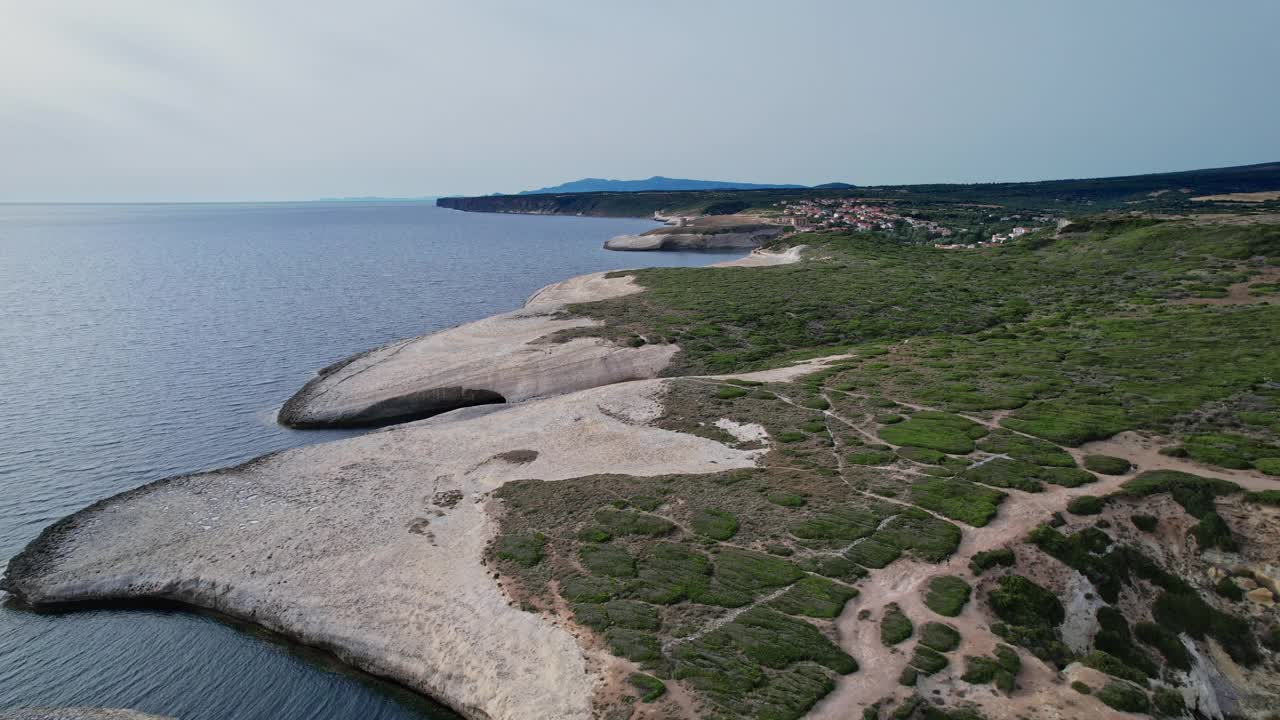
(504, 358)
(708, 233)
(372, 547)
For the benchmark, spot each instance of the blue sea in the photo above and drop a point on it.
(142, 341)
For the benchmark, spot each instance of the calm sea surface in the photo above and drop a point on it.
(142, 341)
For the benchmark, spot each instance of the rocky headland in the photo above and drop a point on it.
(984, 511)
(720, 232)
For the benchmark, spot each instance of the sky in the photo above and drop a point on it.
(141, 100)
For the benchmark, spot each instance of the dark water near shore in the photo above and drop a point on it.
(142, 341)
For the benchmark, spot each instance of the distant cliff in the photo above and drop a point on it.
(1161, 192)
(657, 182)
(619, 204)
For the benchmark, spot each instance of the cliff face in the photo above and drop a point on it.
(558, 204)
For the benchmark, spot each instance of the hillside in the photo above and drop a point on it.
(657, 182)
(1161, 192)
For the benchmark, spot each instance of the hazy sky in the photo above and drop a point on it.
(273, 99)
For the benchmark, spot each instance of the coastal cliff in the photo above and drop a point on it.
(506, 358)
(763, 544)
(729, 232)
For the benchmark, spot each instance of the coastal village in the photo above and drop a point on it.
(842, 214)
(817, 215)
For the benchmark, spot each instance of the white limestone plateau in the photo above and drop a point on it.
(372, 547)
(725, 232)
(503, 358)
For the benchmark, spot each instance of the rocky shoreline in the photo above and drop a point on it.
(373, 547)
(728, 232)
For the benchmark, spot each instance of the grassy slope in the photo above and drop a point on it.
(1079, 336)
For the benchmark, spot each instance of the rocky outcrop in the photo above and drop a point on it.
(373, 547)
(706, 233)
(504, 358)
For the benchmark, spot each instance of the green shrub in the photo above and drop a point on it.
(833, 566)
(1081, 688)
(985, 670)
(844, 524)
(633, 645)
(947, 595)
(870, 457)
(1228, 450)
(1228, 589)
(932, 432)
(940, 637)
(1166, 643)
(923, 535)
(785, 499)
(1067, 477)
(524, 549)
(1019, 601)
(1194, 493)
(873, 553)
(1212, 532)
(649, 687)
(592, 615)
(1145, 523)
(814, 597)
(889, 418)
(620, 523)
(1005, 473)
(1268, 465)
(1182, 610)
(1026, 449)
(1104, 662)
(895, 627)
(815, 403)
(908, 676)
(669, 573)
(987, 559)
(586, 589)
(1107, 464)
(816, 425)
(1168, 702)
(791, 436)
(921, 455)
(609, 560)
(1068, 422)
(1124, 697)
(632, 614)
(1085, 505)
(928, 661)
(729, 392)
(1264, 497)
(957, 499)
(647, 503)
(714, 523)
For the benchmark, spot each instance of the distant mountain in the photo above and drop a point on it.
(834, 186)
(657, 182)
